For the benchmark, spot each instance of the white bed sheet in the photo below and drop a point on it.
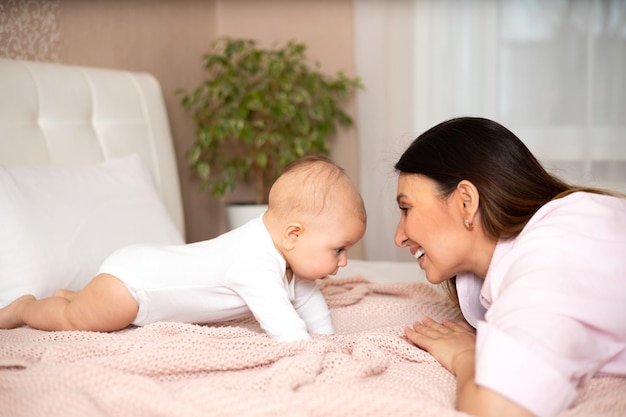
(384, 271)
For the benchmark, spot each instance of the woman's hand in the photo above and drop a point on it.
(453, 345)
(447, 341)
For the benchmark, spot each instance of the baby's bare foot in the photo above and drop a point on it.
(10, 315)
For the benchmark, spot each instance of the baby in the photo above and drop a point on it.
(267, 266)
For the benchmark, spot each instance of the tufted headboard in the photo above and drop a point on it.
(69, 115)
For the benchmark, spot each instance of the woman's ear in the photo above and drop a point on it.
(291, 234)
(468, 199)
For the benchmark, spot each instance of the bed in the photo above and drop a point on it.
(87, 165)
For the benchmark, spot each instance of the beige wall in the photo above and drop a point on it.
(325, 26)
(167, 38)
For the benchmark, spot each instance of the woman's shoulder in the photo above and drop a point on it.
(579, 223)
(583, 207)
(589, 199)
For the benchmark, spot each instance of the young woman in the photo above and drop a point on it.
(537, 266)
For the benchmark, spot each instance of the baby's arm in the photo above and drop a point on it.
(311, 306)
(269, 303)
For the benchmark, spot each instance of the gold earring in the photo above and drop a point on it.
(468, 225)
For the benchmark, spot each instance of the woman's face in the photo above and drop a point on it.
(432, 227)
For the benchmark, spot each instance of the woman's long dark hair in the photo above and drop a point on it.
(512, 183)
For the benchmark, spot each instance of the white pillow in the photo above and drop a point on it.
(59, 223)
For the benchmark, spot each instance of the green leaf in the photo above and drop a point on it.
(204, 170)
(259, 109)
(261, 159)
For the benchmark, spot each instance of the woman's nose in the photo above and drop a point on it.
(400, 238)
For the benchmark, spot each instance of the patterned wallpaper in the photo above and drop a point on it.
(29, 29)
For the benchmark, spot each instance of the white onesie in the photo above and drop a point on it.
(221, 279)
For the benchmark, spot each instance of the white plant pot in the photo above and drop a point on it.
(239, 214)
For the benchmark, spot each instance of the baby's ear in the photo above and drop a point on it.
(291, 234)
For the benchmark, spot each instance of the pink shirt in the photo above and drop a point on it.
(551, 312)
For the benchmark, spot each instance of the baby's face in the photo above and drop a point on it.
(323, 247)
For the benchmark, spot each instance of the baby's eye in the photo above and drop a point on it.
(339, 250)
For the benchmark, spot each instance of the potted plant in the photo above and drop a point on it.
(258, 110)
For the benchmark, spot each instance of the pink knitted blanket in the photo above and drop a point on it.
(173, 369)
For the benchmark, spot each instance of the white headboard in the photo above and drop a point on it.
(69, 115)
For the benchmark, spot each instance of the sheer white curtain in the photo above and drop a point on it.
(553, 72)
